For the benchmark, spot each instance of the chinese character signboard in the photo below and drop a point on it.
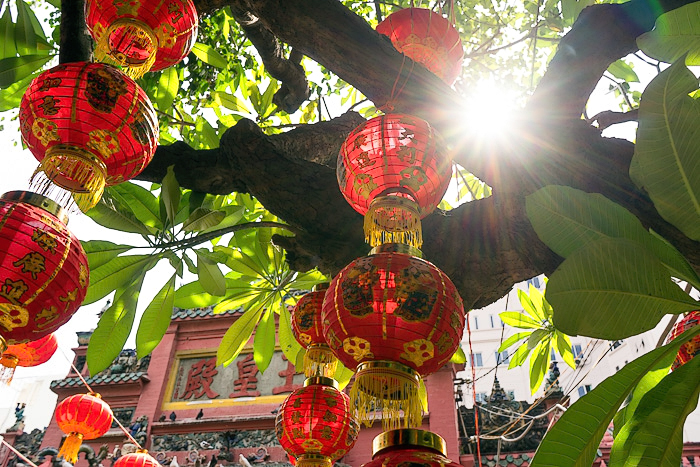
(197, 378)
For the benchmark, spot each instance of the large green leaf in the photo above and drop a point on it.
(232, 215)
(229, 101)
(667, 156)
(100, 252)
(156, 319)
(141, 202)
(612, 289)
(539, 362)
(264, 341)
(654, 435)
(31, 35)
(209, 55)
(115, 274)
(511, 340)
(519, 320)
(114, 327)
(168, 86)
(675, 34)
(343, 375)
(110, 213)
(14, 69)
(11, 96)
(459, 357)
(622, 70)
(210, 276)
(192, 295)
(7, 35)
(237, 336)
(574, 439)
(288, 343)
(202, 219)
(170, 194)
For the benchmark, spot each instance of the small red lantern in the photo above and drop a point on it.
(142, 35)
(426, 38)
(691, 348)
(315, 424)
(393, 317)
(140, 458)
(319, 359)
(43, 269)
(32, 353)
(89, 125)
(409, 447)
(394, 169)
(82, 416)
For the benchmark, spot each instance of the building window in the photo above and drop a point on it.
(583, 390)
(552, 355)
(577, 350)
(476, 322)
(614, 345)
(535, 281)
(491, 317)
(478, 361)
(502, 357)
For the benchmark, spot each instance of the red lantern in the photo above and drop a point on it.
(26, 355)
(394, 169)
(43, 269)
(142, 35)
(319, 359)
(691, 348)
(408, 447)
(89, 125)
(82, 416)
(315, 425)
(426, 38)
(393, 317)
(140, 458)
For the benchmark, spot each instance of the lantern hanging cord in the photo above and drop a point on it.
(119, 424)
(19, 454)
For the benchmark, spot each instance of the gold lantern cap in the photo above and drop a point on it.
(38, 201)
(321, 381)
(409, 437)
(397, 248)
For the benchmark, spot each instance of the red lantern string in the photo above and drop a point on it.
(27, 355)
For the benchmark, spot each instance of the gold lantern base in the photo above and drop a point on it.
(74, 169)
(7, 372)
(393, 219)
(120, 43)
(388, 390)
(319, 360)
(314, 460)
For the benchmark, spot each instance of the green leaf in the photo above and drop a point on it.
(168, 86)
(156, 319)
(202, 219)
(237, 336)
(230, 101)
(116, 274)
(190, 265)
(7, 35)
(170, 194)
(232, 215)
(192, 295)
(574, 439)
(108, 212)
(536, 337)
(114, 327)
(264, 341)
(563, 345)
(209, 55)
(11, 96)
(210, 276)
(539, 362)
(25, 38)
(654, 436)
(622, 70)
(675, 34)
(288, 343)
(612, 289)
(14, 69)
(519, 320)
(666, 155)
(100, 252)
(343, 375)
(512, 340)
(240, 262)
(459, 356)
(520, 355)
(141, 202)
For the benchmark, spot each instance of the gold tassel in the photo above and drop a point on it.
(390, 390)
(76, 170)
(131, 33)
(314, 460)
(71, 446)
(393, 219)
(320, 361)
(9, 363)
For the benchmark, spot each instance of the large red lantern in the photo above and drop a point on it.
(140, 458)
(426, 38)
(31, 354)
(315, 423)
(319, 359)
(691, 348)
(82, 416)
(89, 125)
(142, 35)
(43, 268)
(393, 317)
(394, 169)
(409, 447)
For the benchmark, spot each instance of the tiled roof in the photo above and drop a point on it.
(99, 379)
(507, 460)
(204, 312)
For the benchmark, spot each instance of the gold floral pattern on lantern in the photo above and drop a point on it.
(357, 347)
(45, 131)
(418, 351)
(103, 141)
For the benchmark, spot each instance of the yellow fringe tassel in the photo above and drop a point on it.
(131, 35)
(393, 219)
(388, 390)
(75, 170)
(7, 372)
(314, 460)
(320, 361)
(70, 447)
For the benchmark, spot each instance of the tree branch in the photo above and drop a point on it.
(75, 41)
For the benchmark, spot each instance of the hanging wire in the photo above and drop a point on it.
(19, 454)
